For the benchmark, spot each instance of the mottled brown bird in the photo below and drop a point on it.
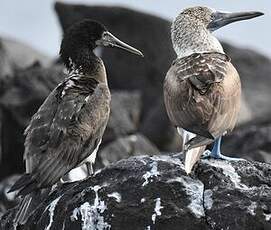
(202, 89)
(67, 129)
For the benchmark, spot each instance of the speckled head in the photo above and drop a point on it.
(192, 28)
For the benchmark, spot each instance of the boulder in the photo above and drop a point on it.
(6, 67)
(124, 115)
(23, 94)
(155, 193)
(21, 55)
(251, 141)
(125, 147)
(254, 70)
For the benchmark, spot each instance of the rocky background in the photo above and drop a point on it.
(218, 195)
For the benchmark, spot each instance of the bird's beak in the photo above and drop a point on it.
(109, 40)
(221, 19)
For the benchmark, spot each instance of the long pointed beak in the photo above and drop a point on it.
(222, 19)
(109, 40)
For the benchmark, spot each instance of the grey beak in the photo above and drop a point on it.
(222, 19)
(109, 40)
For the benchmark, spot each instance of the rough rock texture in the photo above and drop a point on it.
(23, 94)
(147, 75)
(125, 147)
(155, 193)
(255, 71)
(250, 141)
(124, 115)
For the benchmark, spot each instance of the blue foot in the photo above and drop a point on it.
(216, 153)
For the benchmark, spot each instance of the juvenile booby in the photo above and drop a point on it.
(67, 129)
(202, 88)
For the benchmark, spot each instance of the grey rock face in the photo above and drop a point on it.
(155, 193)
(24, 92)
(250, 141)
(125, 147)
(124, 115)
(22, 55)
(254, 70)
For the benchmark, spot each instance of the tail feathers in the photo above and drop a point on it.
(196, 142)
(191, 158)
(193, 147)
(25, 184)
(25, 208)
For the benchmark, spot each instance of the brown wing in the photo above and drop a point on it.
(67, 126)
(202, 94)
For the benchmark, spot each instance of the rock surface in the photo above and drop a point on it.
(250, 141)
(24, 92)
(21, 55)
(155, 193)
(125, 147)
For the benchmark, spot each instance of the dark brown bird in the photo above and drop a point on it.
(67, 129)
(202, 89)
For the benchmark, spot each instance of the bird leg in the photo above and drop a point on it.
(90, 170)
(216, 152)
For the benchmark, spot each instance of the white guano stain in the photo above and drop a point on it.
(208, 201)
(251, 208)
(91, 214)
(116, 196)
(194, 189)
(157, 209)
(228, 171)
(267, 217)
(150, 174)
(51, 209)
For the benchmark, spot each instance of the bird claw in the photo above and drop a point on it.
(209, 154)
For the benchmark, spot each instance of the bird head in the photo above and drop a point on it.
(192, 28)
(83, 37)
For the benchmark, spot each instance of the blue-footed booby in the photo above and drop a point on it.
(67, 129)
(202, 89)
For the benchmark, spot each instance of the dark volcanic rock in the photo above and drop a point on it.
(255, 71)
(250, 141)
(22, 96)
(124, 115)
(155, 193)
(125, 147)
(126, 71)
(5, 66)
